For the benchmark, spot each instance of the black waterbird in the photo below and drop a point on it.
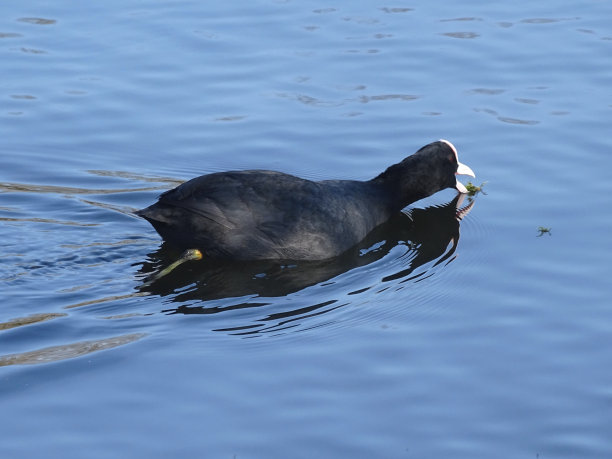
(266, 215)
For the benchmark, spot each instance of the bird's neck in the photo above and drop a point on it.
(405, 182)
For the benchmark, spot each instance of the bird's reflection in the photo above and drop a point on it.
(428, 236)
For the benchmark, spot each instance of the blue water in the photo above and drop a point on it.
(484, 338)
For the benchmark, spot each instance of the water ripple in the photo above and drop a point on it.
(28, 320)
(37, 21)
(67, 351)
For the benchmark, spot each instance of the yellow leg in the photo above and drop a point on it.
(187, 255)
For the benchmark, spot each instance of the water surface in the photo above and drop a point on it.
(435, 337)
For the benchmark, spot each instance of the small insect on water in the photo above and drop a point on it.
(543, 230)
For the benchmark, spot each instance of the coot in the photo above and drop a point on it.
(258, 214)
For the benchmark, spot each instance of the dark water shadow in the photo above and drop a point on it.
(429, 237)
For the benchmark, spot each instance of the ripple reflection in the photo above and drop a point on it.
(273, 296)
(67, 351)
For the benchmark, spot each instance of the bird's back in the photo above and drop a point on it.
(266, 215)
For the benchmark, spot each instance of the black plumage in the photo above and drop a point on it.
(256, 214)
